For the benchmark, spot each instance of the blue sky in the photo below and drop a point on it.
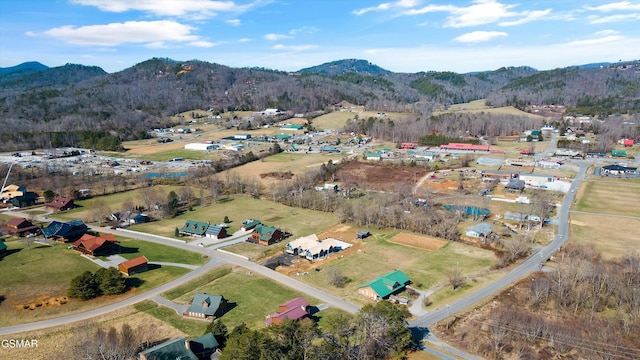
(398, 35)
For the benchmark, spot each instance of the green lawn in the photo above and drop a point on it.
(609, 197)
(253, 296)
(44, 272)
(191, 328)
(300, 222)
(157, 252)
(377, 256)
(333, 120)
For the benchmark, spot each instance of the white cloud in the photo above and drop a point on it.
(233, 22)
(196, 9)
(304, 29)
(275, 37)
(607, 32)
(400, 4)
(528, 17)
(202, 43)
(615, 6)
(479, 36)
(480, 12)
(595, 41)
(156, 45)
(294, 47)
(613, 18)
(155, 33)
(242, 40)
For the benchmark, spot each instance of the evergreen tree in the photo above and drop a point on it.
(110, 281)
(83, 286)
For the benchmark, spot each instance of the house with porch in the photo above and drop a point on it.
(324, 248)
(65, 232)
(619, 170)
(96, 245)
(385, 285)
(194, 228)
(296, 309)
(265, 235)
(205, 306)
(20, 227)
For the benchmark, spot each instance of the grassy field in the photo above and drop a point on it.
(333, 120)
(619, 198)
(296, 163)
(42, 274)
(252, 296)
(613, 236)
(377, 256)
(238, 208)
(158, 253)
(191, 328)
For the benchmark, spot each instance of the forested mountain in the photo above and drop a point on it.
(127, 103)
(24, 67)
(341, 67)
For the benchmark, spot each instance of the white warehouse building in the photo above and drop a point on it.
(201, 146)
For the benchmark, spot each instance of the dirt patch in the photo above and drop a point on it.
(378, 176)
(274, 219)
(340, 232)
(443, 185)
(418, 241)
(278, 175)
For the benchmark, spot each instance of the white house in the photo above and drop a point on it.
(201, 146)
(480, 230)
(271, 112)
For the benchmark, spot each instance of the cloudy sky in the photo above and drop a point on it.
(399, 35)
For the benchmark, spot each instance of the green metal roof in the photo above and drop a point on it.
(387, 284)
(212, 302)
(194, 227)
(3, 246)
(172, 349)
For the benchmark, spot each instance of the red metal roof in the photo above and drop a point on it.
(140, 260)
(92, 243)
(461, 146)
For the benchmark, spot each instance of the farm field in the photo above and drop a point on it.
(333, 120)
(613, 236)
(42, 275)
(238, 208)
(376, 255)
(609, 198)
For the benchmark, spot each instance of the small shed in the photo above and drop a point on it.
(363, 234)
(134, 266)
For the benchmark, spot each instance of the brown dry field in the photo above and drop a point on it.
(418, 241)
(379, 177)
(151, 146)
(55, 343)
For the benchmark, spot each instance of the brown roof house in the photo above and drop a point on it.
(20, 227)
(60, 204)
(205, 306)
(95, 245)
(296, 309)
(134, 266)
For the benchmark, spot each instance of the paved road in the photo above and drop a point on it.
(532, 264)
(216, 259)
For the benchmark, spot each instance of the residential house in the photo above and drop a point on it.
(205, 306)
(515, 184)
(60, 204)
(265, 235)
(295, 309)
(249, 224)
(20, 227)
(481, 230)
(618, 170)
(627, 142)
(384, 285)
(325, 248)
(29, 198)
(271, 112)
(300, 245)
(64, 232)
(180, 348)
(95, 245)
(134, 266)
(537, 180)
(216, 232)
(139, 219)
(194, 228)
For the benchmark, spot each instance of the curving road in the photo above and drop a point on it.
(532, 264)
(216, 259)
